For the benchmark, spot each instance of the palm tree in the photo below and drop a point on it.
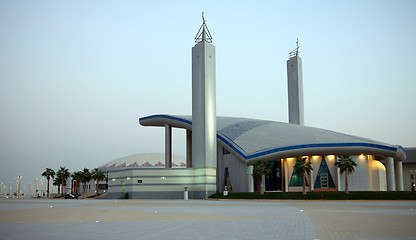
(57, 182)
(63, 174)
(347, 165)
(77, 176)
(98, 176)
(48, 173)
(260, 169)
(86, 177)
(302, 167)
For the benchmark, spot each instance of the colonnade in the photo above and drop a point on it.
(394, 174)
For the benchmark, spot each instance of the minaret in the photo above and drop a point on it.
(295, 87)
(204, 132)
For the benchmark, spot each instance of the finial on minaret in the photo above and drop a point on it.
(203, 32)
(295, 51)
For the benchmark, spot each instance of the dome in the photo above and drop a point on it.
(252, 139)
(143, 160)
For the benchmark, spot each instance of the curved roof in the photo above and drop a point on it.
(253, 139)
(143, 160)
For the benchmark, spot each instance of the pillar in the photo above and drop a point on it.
(168, 146)
(399, 175)
(391, 185)
(311, 181)
(295, 90)
(287, 175)
(204, 128)
(250, 179)
(188, 148)
(339, 179)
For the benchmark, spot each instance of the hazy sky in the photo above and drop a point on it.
(75, 76)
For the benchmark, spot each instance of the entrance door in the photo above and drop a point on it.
(274, 181)
(324, 180)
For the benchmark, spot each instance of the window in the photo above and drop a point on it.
(296, 180)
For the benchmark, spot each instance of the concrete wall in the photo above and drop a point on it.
(239, 172)
(153, 183)
(407, 167)
(369, 175)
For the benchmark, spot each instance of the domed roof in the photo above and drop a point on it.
(253, 139)
(143, 160)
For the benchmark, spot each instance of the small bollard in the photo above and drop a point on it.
(185, 194)
(225, 191)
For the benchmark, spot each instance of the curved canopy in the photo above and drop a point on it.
(252, 139)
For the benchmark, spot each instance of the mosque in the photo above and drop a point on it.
(221, 151)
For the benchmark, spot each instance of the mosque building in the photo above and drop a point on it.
(221, 151)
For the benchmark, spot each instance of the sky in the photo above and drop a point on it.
(75, 76)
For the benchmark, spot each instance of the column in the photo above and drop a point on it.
(287, 176)
(188, 148)
(250, 179)
(391, 185)
(338, 180)
(168, 146)
(204, 130)
(399, 175)
(295, 90)
(311, 181)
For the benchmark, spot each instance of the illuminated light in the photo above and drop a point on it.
(331, 156)
(315, 156)
(97, 221)
(51, 206)
(113, 179)
(163, 178)
(128, 178)
(155, 211)
(301, 210)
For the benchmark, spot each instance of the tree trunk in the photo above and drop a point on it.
(62, 188)
(261, 186)
(346, 182)
(304, 183)
(59, 189)
(96, 188)
(47, 191)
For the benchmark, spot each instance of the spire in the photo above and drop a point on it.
(295, 51)
(203, 32)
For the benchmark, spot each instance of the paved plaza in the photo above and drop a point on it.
(206, 219)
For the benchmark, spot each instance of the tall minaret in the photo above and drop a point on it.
(204, 130)
(295, 87)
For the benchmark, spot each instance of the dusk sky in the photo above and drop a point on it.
(75, 76)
